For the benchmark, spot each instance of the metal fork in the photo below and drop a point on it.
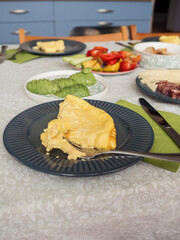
(92, 153)
(13, 57)
(173, 157)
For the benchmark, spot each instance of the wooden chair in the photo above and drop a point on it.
(134, 35)
(121, 35)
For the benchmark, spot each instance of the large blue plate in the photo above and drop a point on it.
(156, 94)
(71, 47)
(21, 139)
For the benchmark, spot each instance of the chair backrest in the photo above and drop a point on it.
(121, 35)
(134, 35)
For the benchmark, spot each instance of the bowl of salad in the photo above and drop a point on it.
(158, 55)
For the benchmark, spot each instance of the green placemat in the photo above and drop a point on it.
(162, 142)
(22, 56)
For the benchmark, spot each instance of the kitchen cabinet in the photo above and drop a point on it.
(58, 18)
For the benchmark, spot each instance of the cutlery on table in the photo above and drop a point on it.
(3, 53)
(124, 45)
(91, 153)
(13, 57)
(156, 116)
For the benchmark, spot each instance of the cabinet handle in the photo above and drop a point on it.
(19, 11)
(104, 23)
(102, 10)
(17, 32)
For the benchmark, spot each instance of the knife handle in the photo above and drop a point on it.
(172, 134)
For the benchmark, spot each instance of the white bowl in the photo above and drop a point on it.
(154, 61)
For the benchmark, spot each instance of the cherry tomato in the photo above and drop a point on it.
(125, 65)
(102, 49)
(124, 54)
(133, 64)
(95, 52)
(136, 58)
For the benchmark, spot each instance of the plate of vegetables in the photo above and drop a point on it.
(103, 63)
(55, 85)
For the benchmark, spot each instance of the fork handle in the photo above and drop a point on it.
(173, 157)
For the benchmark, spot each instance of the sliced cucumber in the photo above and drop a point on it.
(76, 56)
(74, 62)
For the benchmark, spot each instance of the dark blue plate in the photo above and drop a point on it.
(22, 140)
(71, 47)
(150, 39)
(156, 94)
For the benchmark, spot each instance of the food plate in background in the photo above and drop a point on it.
(110, 73)
(71, 47)
(97, 91)
(156, 94)
(150, 39)
(133, 133)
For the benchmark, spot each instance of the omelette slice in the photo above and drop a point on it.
(50, 46)
(83, 125)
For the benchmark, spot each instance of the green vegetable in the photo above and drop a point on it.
(63, 82)
(76, 90)
(83, 77)
(75, 61)
(76, 56)
(42, 87)
(79, 65)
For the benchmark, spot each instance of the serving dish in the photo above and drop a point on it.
(155, 94)
(71, 47)
(21, 138)
(97, 91)
(154, 61)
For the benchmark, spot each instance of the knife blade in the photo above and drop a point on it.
(156, 116)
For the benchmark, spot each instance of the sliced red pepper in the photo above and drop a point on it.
(111, 62)
(107, 56)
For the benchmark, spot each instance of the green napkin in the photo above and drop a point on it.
(162, 142)
(22, 56)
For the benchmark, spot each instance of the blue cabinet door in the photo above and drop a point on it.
(10, 35)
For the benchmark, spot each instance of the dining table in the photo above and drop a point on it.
(138, 202)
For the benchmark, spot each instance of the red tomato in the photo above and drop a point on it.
(96, 51)
(125, 65)
(111, 62)
(93, 53)
(124, 54)
(107, 56)
(102, 49)
(133, 64)
(136, 58)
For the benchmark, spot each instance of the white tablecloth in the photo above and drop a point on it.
(140, 202)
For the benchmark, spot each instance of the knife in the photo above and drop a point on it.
(124, 45)
(156, 116)
(3, 53)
